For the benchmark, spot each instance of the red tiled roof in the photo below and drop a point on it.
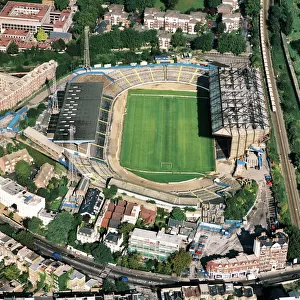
(122, 203)
(4, 41)
(148, 215)
(108, 214)
(128, 209)
(111, 207)
(16, 32)
(105, 222)
(116, 216)
(120, 209)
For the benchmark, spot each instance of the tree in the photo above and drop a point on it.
(41, 35)
(1, 151)
(11, 272)
(231, 42)
(108, 286)
(10, 148)
(110, 192)
(180, 260)
(212, 3)
(178, 214)
(23, 171)
(178, 39)
(58, 45)
(12, 48)
(170, 4)
(252, 7)
(58, 229)
(203, 42)
(25, 238)
(134, 260)
(294, 240)
(221, 27)
(35, 225)
(140, 5)
(121, 285)
(102, 254)
(61, 4)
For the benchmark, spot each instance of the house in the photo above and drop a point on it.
(35, 270)
(14, 195)
(148, 216)
(8, 249)
(186, 230)
(9, 161)
(26, 257)
(87, 235)
(76, 281)
(231, 21)
(46, 216)
(153, 244)
(131, 213)
(233, 3)
(12, 286)
(92, 285)
(224, 8)
(92, 203)
(116, 15)
(44, 175)
(113, 240)
(61, 274)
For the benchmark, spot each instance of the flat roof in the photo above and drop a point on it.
(81, 108)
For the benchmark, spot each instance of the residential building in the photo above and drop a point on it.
(44, 175)
(14, 195)
(9, 161)
(60, 21)
(153, 244)
(60, 275)
(224, 8)
(239, 266)
(13, 89)
(92, 203)
(272, 251)
(113, 240)
(25, 258)
(164, 40)
(171, 20)
(46, 216)
(8, 249)
(186, 230)
(35, 270)
(92, 285)
(148, 216)
(116, 15)
(76, 281)
(87, 234)
(12, 286)
(233, 3)
(231, 21)
(131, 213)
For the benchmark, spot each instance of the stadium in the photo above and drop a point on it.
(156, 130)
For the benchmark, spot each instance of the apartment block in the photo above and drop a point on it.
(76, 281)
(44, 175)
(171, 20)
(151, 244)
(116, 15)
(8, 249)
(113, 240)
(87, 235)
(14, 195)
(9, 161)
(271, 250)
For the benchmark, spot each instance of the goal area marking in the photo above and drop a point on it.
(166, 165)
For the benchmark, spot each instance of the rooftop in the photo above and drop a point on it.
(86, 231)
(24, 10)
(90, 202)
(81, 108)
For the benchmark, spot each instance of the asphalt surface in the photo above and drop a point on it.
(287, 167)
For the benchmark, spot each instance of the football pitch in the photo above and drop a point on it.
(162, 139)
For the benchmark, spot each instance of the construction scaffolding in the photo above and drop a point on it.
(238, 107)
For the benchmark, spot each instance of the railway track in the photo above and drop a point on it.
(287, 167)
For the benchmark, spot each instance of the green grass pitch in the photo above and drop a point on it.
(161, 137)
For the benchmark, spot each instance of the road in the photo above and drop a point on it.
(287, 167)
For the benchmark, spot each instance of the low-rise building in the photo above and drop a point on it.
(153, 244)
(9, 161)
(25, 258)
(61, 274)
(12, 286)
(224, 8)
(240, 266)
(14, 195)
(131, 213)
(76, 281)
(164, 39)
(231, 21)
(92, 285)
(87, 234)
(46, 216)
(17, 34)
(113, 240)
(44, 175)
(148, 216)
(8, 249)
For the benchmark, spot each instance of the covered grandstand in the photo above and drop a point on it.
(239, 114)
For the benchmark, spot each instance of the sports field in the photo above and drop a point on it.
(162, 139)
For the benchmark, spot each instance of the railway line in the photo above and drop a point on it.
(287, 167)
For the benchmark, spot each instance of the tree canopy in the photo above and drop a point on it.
(58, 229)
(58, 45)
(102, 253)
(212, 3)
(61, 4)
(203, 42)
(231, 42)
(23, 171)
(41, 35)
(12, 48)
(180, 260)
(170, 4)
(178, 39)
(139, 5)
(10, 272)
(178, 214)
(252, 7)
(110, 192)
(35, 225)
